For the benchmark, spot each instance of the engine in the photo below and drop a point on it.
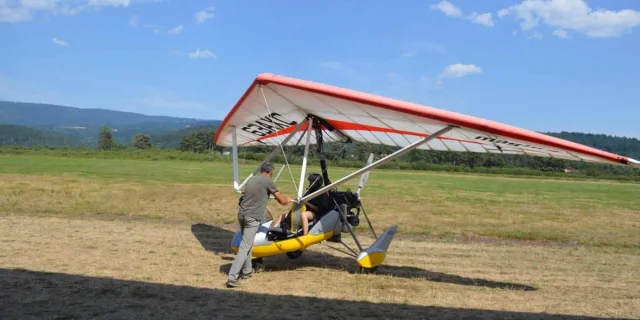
(350, 205)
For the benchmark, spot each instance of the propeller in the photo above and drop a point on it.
(365, 176)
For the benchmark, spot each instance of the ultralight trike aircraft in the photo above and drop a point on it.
(282, 111)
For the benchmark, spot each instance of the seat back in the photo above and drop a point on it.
(294, 218)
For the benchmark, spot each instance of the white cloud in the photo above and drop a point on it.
(204, 15)
(60, 42)
(24, 10)
(451, 10)
(39, 4)
(134, 21)
(18, 14)
(483, 19)
(176, 30)
(561, 33)
(114, 3)
(448, 8)
(459, 70)
(502, 13)
(574, 15)
(201, 54)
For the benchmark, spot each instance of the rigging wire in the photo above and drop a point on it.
(280, 141)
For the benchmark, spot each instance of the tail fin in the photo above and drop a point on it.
(374, 255)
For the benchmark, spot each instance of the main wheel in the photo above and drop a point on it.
(294, 254)
(257, 264)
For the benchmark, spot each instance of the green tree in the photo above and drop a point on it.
(106, 140)
(362, 151)
(141, 141)
(198, 142)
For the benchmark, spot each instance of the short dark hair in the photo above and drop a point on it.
(266, 167)
(314, 177)
(315, 182)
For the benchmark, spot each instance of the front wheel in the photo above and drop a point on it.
(368, 270)
(294, 254)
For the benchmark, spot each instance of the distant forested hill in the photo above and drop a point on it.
(26, 136)
(629, 147)
(172, 139)
(36, 114)
(84, 124)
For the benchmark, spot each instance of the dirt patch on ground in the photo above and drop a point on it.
(68, 268)
(469, 239)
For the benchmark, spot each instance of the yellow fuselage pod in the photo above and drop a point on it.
(289, 245)
(324, 229)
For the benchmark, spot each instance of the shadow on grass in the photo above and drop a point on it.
(214, 239)
(40, 295)
(218, 240)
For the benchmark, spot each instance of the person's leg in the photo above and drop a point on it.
(307, 217)
(276, 222)
(251, 227)
(243, 250)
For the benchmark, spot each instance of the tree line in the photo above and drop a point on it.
(200, 141)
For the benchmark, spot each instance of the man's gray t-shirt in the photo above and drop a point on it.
(255, 197)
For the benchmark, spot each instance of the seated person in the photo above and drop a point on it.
(315, 207)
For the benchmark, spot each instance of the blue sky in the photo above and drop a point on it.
(537, 64)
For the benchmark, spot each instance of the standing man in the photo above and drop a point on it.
(253, 205)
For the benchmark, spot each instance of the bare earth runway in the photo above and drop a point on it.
(63, 268)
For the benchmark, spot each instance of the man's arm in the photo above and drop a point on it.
(282, 199)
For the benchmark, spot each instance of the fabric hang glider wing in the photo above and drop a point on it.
(274, 106)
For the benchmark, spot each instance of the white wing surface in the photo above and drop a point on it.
(273, 105)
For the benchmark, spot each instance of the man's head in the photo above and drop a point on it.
(266, 169)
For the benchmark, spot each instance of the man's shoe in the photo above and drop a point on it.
(248, 275)
(233, 284)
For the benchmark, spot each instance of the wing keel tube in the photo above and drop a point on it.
(378, 163)
(373, 256)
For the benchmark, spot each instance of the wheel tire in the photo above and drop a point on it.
(368, 270)
(257, 265)
(294, 254)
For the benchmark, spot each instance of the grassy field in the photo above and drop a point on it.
(421, 203)
(117, 238)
